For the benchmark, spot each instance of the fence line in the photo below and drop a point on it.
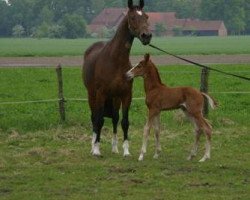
(85, 99)
(192, 72)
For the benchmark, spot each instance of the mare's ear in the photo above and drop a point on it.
(141, 5)
(130, 4)
(146, 57)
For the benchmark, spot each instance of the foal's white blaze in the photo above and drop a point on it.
(126, 148)
(129, 73)
(139, 12)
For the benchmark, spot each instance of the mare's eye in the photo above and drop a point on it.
(146, 16)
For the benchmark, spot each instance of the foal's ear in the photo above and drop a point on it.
(130, 4)
(141, 5)
(146, 57)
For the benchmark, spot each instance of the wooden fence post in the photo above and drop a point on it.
(204, 88)
(60, 92)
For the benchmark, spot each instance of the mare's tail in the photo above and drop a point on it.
(211, 100)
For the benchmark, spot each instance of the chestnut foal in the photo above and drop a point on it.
(161, 97)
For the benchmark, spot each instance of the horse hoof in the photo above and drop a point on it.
(115, 151)
(126, 149)
(140, 158)
(190, 157)
(203, 159)
(127, 154)
(156, 156)
(95, 150)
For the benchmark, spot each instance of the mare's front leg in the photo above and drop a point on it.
(97, 122)
(115, 119)
(126, 102)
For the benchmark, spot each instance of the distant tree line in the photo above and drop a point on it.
(69, 19)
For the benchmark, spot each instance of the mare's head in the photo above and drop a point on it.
(138, 22)
(140, 69)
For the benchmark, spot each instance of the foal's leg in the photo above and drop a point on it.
(197, 133)
(157, 136)
(146, 132)
(208, 131)
(151, 118)
(126, 101)
(202, 125)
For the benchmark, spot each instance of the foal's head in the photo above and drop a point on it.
(138, 22)
(140, 69)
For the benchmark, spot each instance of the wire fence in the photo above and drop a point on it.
(85, 99)
(62, 99)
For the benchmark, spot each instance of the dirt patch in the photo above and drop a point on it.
(159, 60)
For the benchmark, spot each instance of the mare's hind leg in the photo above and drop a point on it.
(115, 119)
(126, 101)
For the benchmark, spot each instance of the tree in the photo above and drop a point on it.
(41, 31)
(160, 29)
(232, 13)
(5, 23)
(46, 15)
(74, 26)
(18, 31)
(247, 16)
(55, 31)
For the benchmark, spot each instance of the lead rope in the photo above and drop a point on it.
(200, 65)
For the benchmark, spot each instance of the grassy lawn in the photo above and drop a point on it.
(178, 45)
(57, 164)
(42, 159)
(31, 84)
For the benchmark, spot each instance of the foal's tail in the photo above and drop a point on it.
(211, 100)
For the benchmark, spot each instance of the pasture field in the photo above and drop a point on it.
(43, 159)
(29, 84)
(28, 47)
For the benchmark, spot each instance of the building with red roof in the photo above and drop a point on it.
(110, 18)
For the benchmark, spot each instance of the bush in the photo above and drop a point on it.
(160, 29)
(18, 31)
(41, 31)
(55, 31)
(177, 31)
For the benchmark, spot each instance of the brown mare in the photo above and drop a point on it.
(104, 75)
(161, 97)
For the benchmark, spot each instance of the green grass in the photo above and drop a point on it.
(178, 45)
(41, 159)
(57, 164)
(31, 84)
